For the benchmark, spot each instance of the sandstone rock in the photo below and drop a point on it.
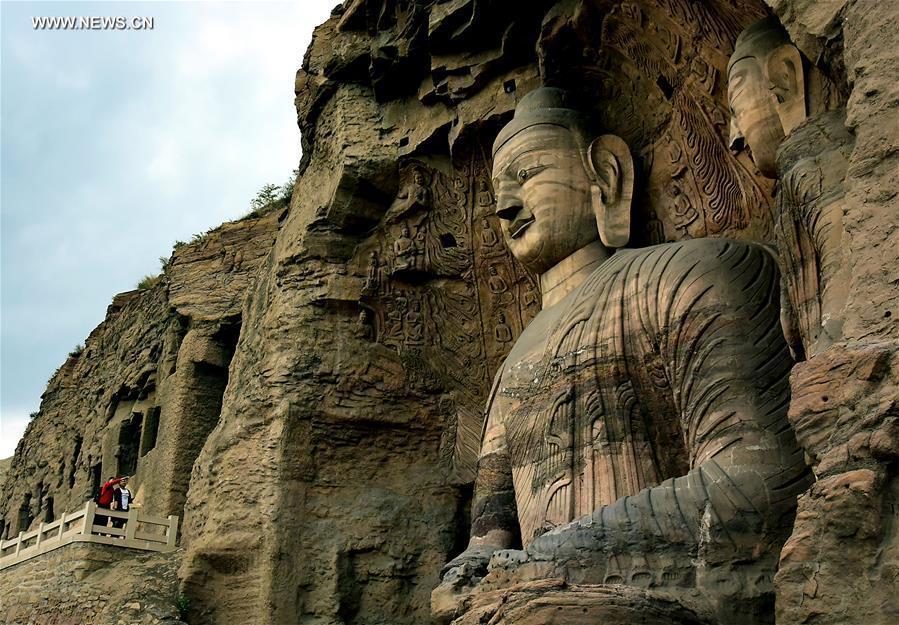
(128, 589)
(320, 406)
(145, 390)
(556, 603)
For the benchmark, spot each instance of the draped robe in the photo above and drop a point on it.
(650, 404)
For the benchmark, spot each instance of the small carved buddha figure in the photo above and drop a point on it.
(414, 328)
(488, 236)
(502, 332)
(779, 103)
(373, 277)
(495, 281)
(636, 433)
(415, 196)
(363, 327)
(403, 250)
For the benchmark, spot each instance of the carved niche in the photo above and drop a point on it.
(443, 291)
(656, 72)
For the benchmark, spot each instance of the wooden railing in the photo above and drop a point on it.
(139, 531)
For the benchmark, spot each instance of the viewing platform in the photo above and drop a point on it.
(139, 531)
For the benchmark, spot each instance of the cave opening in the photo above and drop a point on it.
(76, 452)
(129, 441)
(47, 514)
(151, 431)
(202, 388)
(25, 515)
(96, 478)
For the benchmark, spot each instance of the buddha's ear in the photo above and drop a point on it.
(612, 188)
(787, 82)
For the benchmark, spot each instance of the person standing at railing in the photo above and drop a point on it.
(121, 501)
(105, 500)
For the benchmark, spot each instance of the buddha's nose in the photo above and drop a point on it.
(508, 204)
(736, 141)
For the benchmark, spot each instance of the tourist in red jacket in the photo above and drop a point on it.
(104, 500)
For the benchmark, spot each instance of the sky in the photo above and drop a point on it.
(115, 144)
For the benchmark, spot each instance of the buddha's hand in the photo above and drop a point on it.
(567, 542)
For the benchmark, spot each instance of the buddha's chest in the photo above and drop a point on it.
(577, 434)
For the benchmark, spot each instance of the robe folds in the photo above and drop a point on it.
(650, 406)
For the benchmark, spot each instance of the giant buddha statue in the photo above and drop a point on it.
(781, 110)
(636, 434)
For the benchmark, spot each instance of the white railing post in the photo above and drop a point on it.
(62, 524)
(131, 523)
(89, 511)
(172, 533)
(40, 535)
(19, 544)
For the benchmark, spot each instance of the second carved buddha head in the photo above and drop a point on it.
(558, 186)
(766, 83)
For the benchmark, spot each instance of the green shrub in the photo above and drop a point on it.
(183, 605)
(272, 197)
(148, 282)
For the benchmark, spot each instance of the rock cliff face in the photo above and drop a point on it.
(89, 583)
(354, 407)
(306, 388)
(146, 389)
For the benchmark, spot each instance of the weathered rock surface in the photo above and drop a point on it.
(96, 584)
(310, 384)
(553, 602)
(5, 464)
(840, 564)
(846, 416)
(145, 390)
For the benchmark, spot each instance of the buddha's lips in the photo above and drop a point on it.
(519, 226)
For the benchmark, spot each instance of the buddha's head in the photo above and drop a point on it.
(558, 186)
(766, 90)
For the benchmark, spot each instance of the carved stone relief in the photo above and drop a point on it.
(634, 435)
(659, 71)
(443, 291)
(780, 107)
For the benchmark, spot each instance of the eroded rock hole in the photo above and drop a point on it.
(96, 478)
(76, 452)
(129, 441)
(151, 430)
(665, 87)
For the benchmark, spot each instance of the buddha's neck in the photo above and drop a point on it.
(561, 279)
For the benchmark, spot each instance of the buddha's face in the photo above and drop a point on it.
(543, 196)
(755, 116)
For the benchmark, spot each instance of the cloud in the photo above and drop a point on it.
(12, 427)
(116, 145)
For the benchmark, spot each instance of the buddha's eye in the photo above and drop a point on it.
(526, 173)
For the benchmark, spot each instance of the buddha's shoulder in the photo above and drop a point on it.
(704, 261)
(683, 254)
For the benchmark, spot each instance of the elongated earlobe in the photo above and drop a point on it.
(611, 169)
(787, 82)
